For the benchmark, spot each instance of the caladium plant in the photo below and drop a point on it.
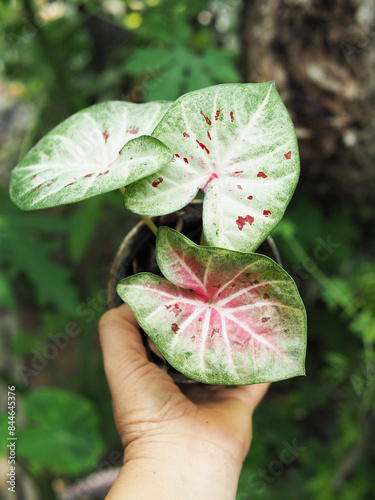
(221, 314)
(99, 149)
(224, 317)
(237, 144)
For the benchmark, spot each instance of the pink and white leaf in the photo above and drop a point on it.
(221, 317)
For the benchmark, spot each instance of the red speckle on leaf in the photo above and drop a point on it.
(288, 155)
(266, 296)
(231, 117)
(208, 121)
(255, 282)
(33, 177)
(186, 160)
(38, 187)
(192, 337)
(88, 175)
(238, 172)
(266, 213)
(156, 183)
(105, 135)
(177, 156)
(239, 187)
(185, 134)
(214, 330)
(100, 173)
(264, 320)
(176, 309)
(132, 130)
(203, 147)
(200, 320)
(71, 184)
(106, 172)
(174, 327)
(261, 174)
(217, 114)
(208, 134)
(241, 221)
(250, 197)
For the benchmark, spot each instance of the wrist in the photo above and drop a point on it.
(189, 469)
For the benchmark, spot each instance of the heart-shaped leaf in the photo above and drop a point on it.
(63, 435)
(224, 317)
(235, 142)
(98, 149)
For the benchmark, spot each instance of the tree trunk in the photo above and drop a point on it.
(321, 55)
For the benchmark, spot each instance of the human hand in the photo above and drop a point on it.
(192, 438)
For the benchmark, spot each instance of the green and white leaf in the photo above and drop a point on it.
(224, 317)
(235, 142)
(99, 149)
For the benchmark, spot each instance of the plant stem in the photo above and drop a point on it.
(149, 223)
(203, 241)
(146, 219)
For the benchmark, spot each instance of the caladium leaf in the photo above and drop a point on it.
(98, 149)
(235, 142)
(224, 317)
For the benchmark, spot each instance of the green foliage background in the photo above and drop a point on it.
(57, 57)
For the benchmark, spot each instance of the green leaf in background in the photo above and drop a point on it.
(84, 224)
(63, 433)
(177, 70)
(220, 65)
(97, 150)
(6, 293)
(24, 252)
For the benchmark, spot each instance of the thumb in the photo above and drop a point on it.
(135, 383)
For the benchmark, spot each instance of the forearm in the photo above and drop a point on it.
(199, 473)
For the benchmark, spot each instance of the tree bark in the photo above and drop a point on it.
(321, 55)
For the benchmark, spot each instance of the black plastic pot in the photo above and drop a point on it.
(137, 254)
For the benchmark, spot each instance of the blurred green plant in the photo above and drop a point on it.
(26, 251)
(62, 434)
(61, 437)
(185, 56)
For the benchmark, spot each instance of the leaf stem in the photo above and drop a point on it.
(146, 219)
(149, 223)
(203, 241)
